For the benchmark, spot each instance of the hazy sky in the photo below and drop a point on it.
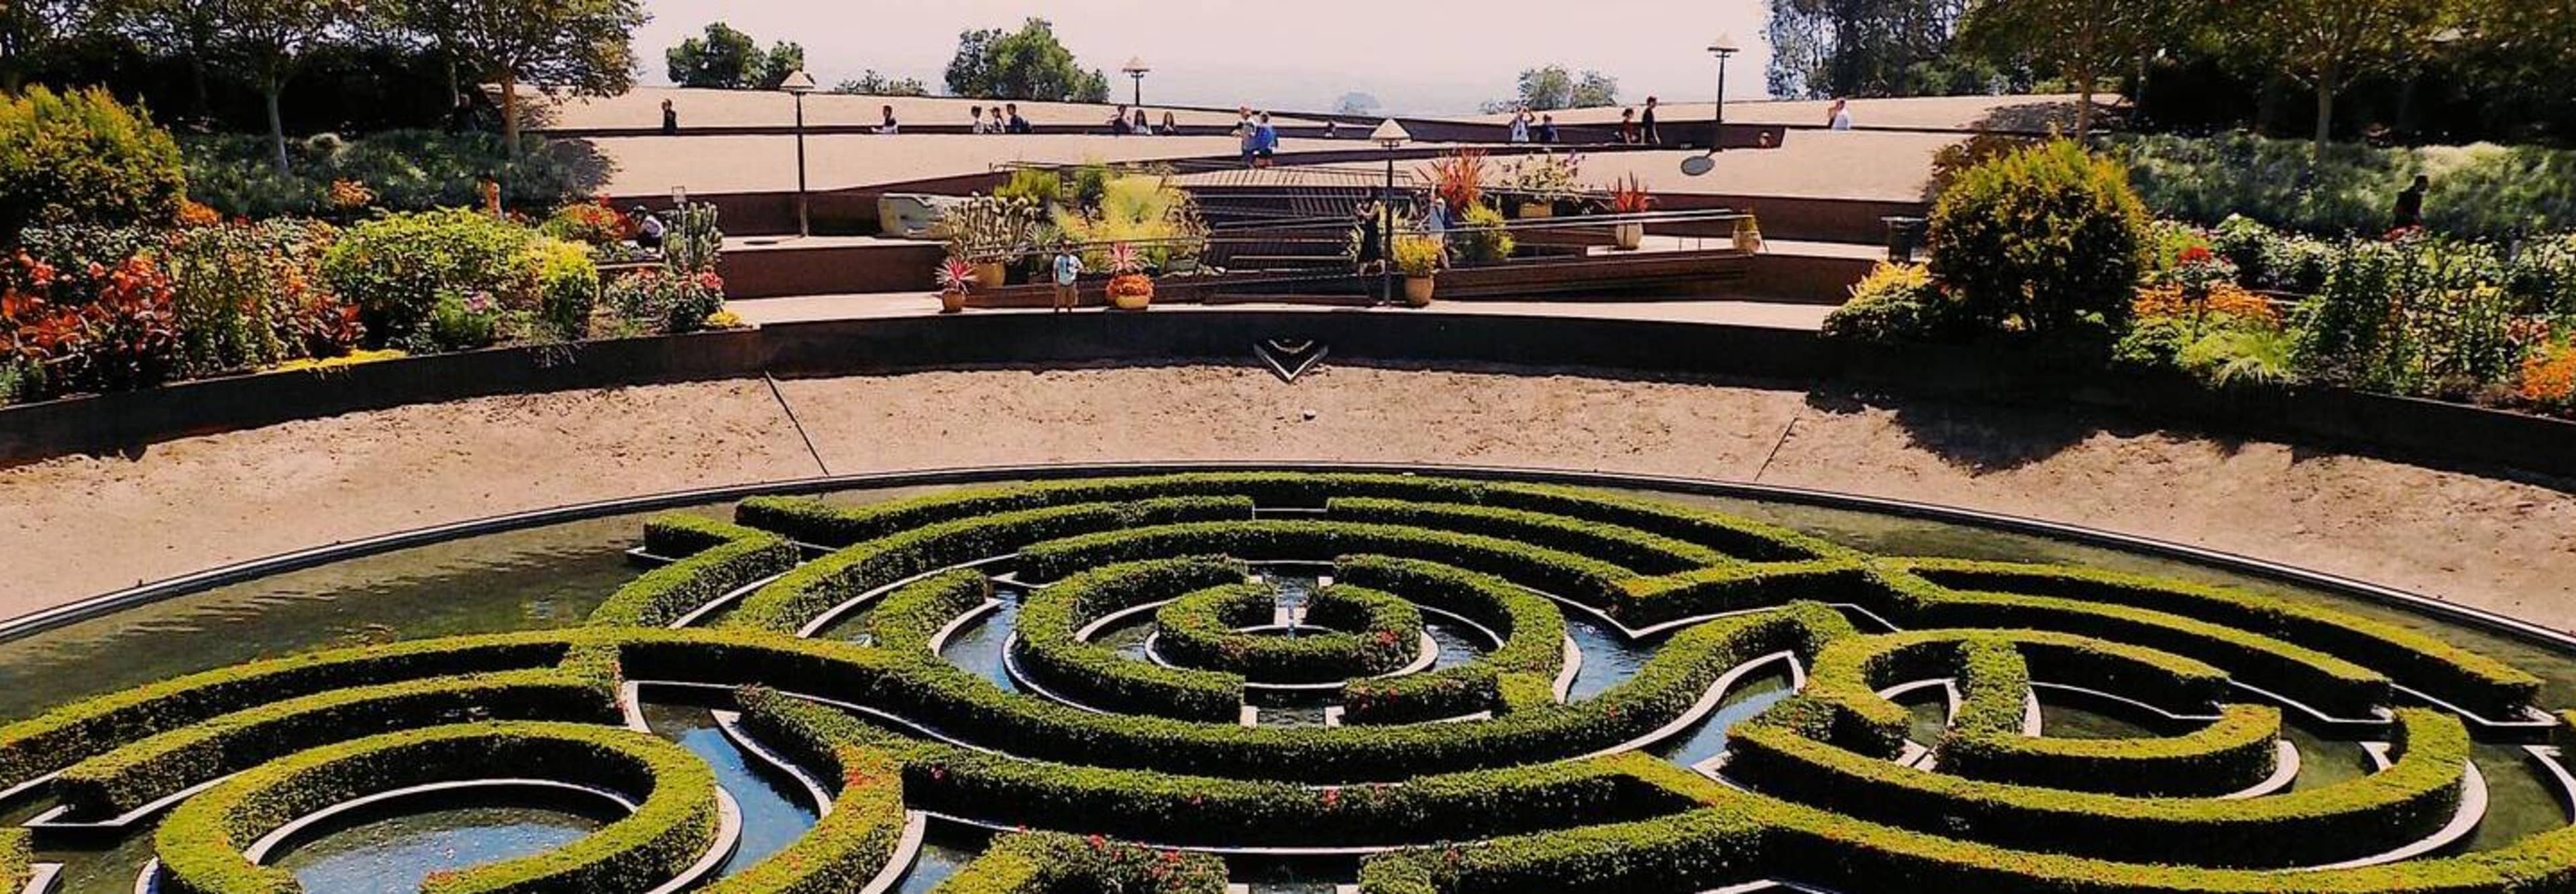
(1418, 56)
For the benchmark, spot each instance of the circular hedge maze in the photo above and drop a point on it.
(1418, 685)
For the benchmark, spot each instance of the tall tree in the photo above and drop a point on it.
(28, 28)
(727, 59)
(585, 46)
(2328, 44)
(186, 29)
(1028, 64)
(1860, 47)
(1551, 87)
(2085, 41)
(270, 38)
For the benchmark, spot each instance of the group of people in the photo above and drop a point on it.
(1005, 119)
(1260, 140)
(1124, 124)
(1634, 129)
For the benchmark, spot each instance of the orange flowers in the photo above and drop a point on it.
(2549, 377)
(2222, 300)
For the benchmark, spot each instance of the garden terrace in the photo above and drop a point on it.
(1411, 683)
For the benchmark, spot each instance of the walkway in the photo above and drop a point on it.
(816, 308)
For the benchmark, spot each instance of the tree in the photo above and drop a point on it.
(1357, 103)
(2328, 44)
(874, 84)
(270, 38)
(2084, 40)
(583, 45)
(182, 28)
(28, 28)
(1860, 47)
(726, 59)
(1551, 87)
(1028, 64)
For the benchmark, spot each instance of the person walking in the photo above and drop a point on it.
(1142, 127)
(1521, 126)
(1247, 131)
(890, 126)
(1653, 137)
(1547, 129)
(670, 119)
(2409, 213)
(1628, 126)
(977, 113)
(1015, 124)
(1118, 122)
(1265, 142)
(1068, 270)
(1840, 118)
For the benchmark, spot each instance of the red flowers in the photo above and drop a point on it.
(2197, 254)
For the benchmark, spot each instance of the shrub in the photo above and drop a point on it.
(1417, 255)
(2042, 239)
(1897, 303)
(567, 286)
(1356, 633)
(714, 559)
(122, 336)
(658, 300)
(1056, 863)
(80, 157)
(253, 295)
(404, 271)
(1481, 237)
(2480, 191)
(406, 170)
(595, 222)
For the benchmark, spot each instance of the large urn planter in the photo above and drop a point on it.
(1417, 290)
(1131, 291)
(991, 275)
(1628, 236)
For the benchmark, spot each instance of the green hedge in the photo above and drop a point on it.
(201, 843)
(1589, 581)
(715, 559)
(2231, 754)
(1096, 675)
(1352, 632)
(1530, 656)
(817, 586)
(1627, 547)
(846, 849)
(2404, 803)
(1055, 863)
(1699, 850)
(906, 619)
(83, 729)
(2471, 680)
(17, 850)
(154, 767)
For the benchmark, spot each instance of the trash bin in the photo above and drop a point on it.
(1904, 236)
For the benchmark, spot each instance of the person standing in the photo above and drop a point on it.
(1140, 126)
(890, 126)
(1171, 126)
(1653, 137)
(1016, 124)
(670, 119)
(1068, 270)
(1547, 129)
(977, 113)
(2409, 213)
(1628, 126)
(1248, 132)
(1265, 142)
(1521, 126)
(1840, 118)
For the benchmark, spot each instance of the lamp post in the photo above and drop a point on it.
(1136, 70)
(1389, 136)
(797, 85)
(1724, 48)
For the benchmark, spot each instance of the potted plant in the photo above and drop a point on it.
(1542, 180)
(1417, 258)
(955, 278)
(1129, 287)
(987, 231)
(1748, 235)
(1629, 196)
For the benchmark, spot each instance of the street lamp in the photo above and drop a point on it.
(1724, 48)
(1136, 70)
(797, 85)
(1389, 136)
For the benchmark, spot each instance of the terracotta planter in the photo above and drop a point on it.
(1748, 241)
(1417, 290)
(1131, 292)
(952, 301)
(992, 275)
(1628, 236)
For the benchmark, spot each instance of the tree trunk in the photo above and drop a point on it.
(276, 122)
(2325, 115)
(510, 112)
(2083, 105)
(203, 106)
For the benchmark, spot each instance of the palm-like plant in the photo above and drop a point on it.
(956, 275)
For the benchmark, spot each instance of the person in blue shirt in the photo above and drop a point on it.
(1015, 124)
(1547, 129)
(1068, 269)
(1265, 142)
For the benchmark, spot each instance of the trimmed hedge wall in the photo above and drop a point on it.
(1096, 675)
(1589, 581)
(847, 848)
(152, 768)
(1350, 632)
(817, 586)
(1054, 863)
(69, 734)
(17, 849)
(715, 559)
(2417, 795)
(1626, 547)
(1526, 663)
(201, 843)
(1699, 850)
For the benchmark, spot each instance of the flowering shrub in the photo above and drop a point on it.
(594, 222)
(2548, 379)
(80, 157)
(1896, 303)
(351, 196)
(397, 268)
(661, 301)
(121, 336)
(253, 295)
(1545, 177)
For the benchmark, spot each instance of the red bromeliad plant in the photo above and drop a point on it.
(1129, 281)
(1459, 179)
(1629, 196)
(123, 336)
(956, 275)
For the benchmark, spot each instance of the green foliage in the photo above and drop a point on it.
(846, 849)
(874, 83)
(1895, 304)
(83, 158)
(1056, 863)
(727, 59)
(1027, 64)
(2240, 357)
(446, 275)
(1353, 633)
(1481, 237)
(1041, 187)
(1148, 211)
(1093, 674)
(1417, 255)
(408, 170)
(714, 559)
(567, 286)
(1548, 88)
(657, 300)
(15, 853)
(2040, 240)
(2481, 191)
(254, 295)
